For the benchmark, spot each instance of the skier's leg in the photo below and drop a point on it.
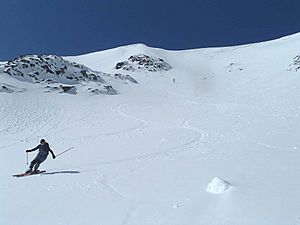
(37, 165)
(33, 162)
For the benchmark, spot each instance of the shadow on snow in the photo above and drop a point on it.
(61, 172)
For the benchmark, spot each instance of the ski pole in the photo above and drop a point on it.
(64, 152)
(27, 158)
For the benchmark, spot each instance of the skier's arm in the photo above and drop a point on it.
(52, 153)
(31, 150)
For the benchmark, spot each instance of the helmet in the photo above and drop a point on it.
(42, 141)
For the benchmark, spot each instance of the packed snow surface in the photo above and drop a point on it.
(145, 155)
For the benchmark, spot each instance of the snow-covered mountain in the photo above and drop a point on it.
(204, 136)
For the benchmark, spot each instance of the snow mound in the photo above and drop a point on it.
(142, 62)
(218, 186)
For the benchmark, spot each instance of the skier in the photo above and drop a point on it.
(44, 150)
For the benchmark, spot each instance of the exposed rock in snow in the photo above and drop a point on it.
(218, 186)
(176, 206)
(232, 67)
(143, 62)
(9, 88)
(51, 68)
(62, 89)
(107, 90)
(55, 73)
(4, 88)
(125, 77)
(295, 65)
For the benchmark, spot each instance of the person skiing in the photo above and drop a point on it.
(44, 150)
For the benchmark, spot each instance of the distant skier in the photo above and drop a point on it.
(44, 150)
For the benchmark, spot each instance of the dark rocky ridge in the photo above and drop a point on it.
(143, 62)
(57, 74)
(50, 68)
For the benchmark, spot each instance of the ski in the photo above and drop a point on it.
(29, 174)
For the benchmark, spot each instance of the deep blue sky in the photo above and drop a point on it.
(72, 27)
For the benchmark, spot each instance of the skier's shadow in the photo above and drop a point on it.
(61, 172)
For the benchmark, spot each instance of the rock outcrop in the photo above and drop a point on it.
(143, 62)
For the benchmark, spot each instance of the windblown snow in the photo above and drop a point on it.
(150, 129)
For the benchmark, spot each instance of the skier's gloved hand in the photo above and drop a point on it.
(53, 156)
(27, 151)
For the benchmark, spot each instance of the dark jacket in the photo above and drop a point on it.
(44, 150)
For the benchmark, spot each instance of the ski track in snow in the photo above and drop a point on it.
(262, 110)
(199, 137)
(120, 112)
(143, 123)
(111, 189)
(169, 153)
(129, 215)
(268, 146)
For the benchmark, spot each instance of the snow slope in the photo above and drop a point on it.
(147, 155)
